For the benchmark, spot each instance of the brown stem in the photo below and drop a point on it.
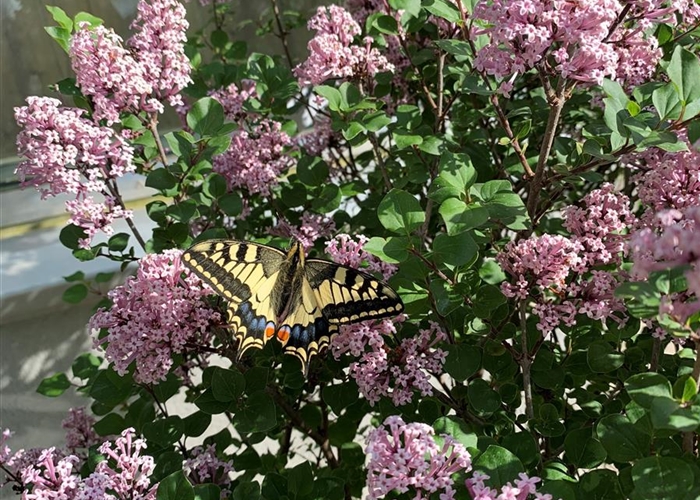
(321, 440)
(655, 355)
(557, 104)
(689, 436)
(525, 362)
(380, 160)
(114, 191)
(503, 120)
(153, 127)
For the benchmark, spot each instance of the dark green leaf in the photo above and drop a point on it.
(227, 385)
(462, 361)
(53, 386)
(161, 179)
(400, 212)
(661, 478)
(247, 490)
(175, 487)
(206, 116)
(71, 235)
(111, 424)
(75, 294)
(621, 439)
(85, 366)
(583, 450)
(500, 464)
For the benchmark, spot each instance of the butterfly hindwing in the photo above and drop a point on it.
(347, 295)
(245, 275)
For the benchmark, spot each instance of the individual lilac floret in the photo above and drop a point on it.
(333, 52)
(53, 476)
(154, 316)
(406, 457)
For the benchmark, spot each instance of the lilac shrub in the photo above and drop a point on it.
(523, 174)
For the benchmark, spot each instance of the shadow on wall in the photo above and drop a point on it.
(42, 336)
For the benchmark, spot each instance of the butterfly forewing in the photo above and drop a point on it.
(245, 275)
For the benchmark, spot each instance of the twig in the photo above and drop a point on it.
(525, 362)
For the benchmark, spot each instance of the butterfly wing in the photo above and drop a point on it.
(245, 275)
(347, 295)
(332, 295)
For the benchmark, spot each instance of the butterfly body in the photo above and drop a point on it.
(302, 302)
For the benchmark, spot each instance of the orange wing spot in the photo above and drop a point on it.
(283, 333)
(269, 329)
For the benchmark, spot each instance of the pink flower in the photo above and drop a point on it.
(333, 52)
(256, 158)
(206, 467)
(159, 46)
(311, 227)
(156, 69)
(53, 476)
(405, 457)
(94, 217)
(66, 153)
(524, 487)
(79, 432)
(233, 99)
(154, 316)
(125, 471)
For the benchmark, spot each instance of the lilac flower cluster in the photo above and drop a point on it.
(79, 430)
(154, 315)
(319, 137)
(581, 41)
(676, 244)
(206, 467)
(233, 99)
(255, 159)
(405, 457)
(52, 474)
(311, 227)
(121, 80)
(67, 153)
(561, 270)
(333, 52)
(524, 487)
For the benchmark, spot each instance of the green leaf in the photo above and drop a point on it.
(600, 485)
(410, 6)
(164, 431)
(352, 130)
(458, 429)
(457, 175)
(602, 357)
(209, 404)
(206, 116)
(667, 102)
(246, 490)
(443, 9)
(109, 388)
(400, 211)
(338, 397)
(227, 385)
(258, 414)
(175, 487)
(621, 439)
(53, 386)
(455, 47)
(71, 235)
(661, 478)
(196, 423)
(76, 276)
(583, 450)
(482, 397)
(61, 18)
(386, 24)
(500, 464)
(328, 200)
(300, 480)
(644, 388)
(75, 294)
(403, 140)
(85, 366)
(331, 94)
(641, 298)
(118, 242)
(61, 36)
(312, 171)
(111, 424)
(207, 491)
(161, 179)
(231, 204)
(462, 361)
(393, 249)
(690, 389)
(460, 217)
(684, 72)
(214, 185)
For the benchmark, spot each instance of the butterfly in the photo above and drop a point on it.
(301, 302)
